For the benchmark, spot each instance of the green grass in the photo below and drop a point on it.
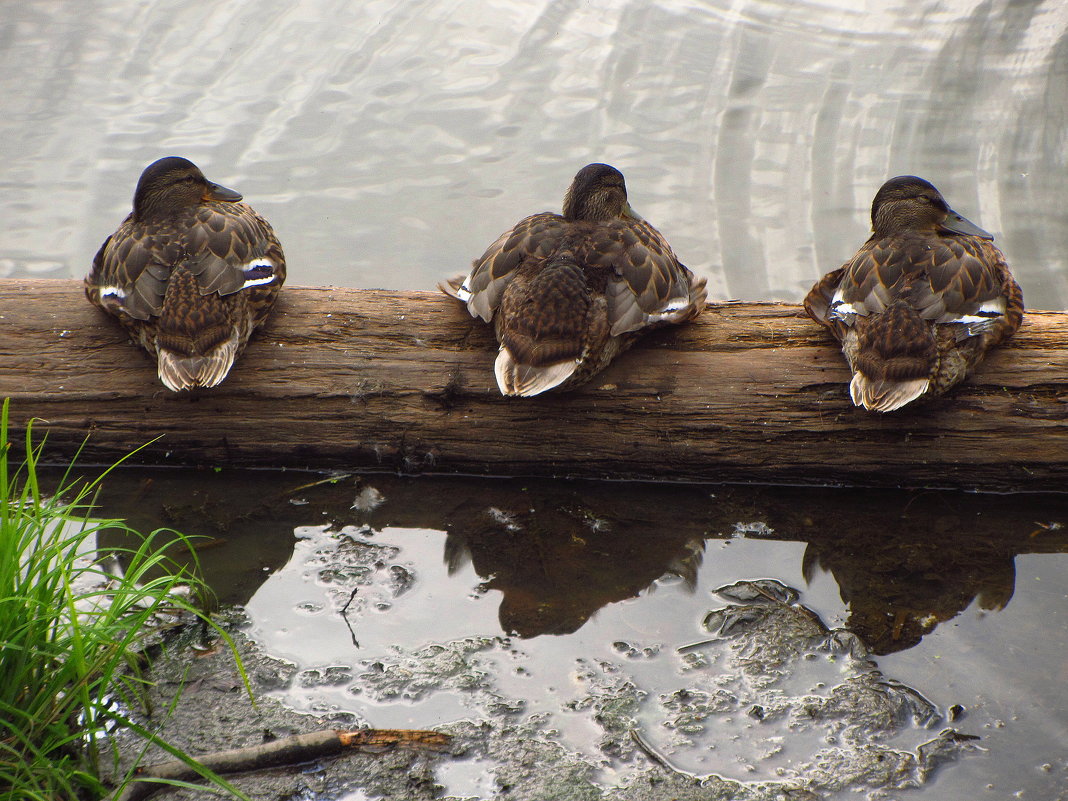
(72, 633)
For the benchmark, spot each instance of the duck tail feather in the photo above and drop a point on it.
(178, 371)
(885, 395)
(514, 378)
(454, 287)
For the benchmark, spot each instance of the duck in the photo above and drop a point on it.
(568, 292)
(921, 302)
(190, 273)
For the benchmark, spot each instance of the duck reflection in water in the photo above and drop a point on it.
(559, 551)
(556, 561)
(901, 576)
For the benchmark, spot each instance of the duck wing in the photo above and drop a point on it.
(943, 278)
(231, 248)
(967, 282)
(227, 246)
(533, 238)
(649, 285)
(130, 270)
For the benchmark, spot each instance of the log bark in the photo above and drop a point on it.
(403, 381)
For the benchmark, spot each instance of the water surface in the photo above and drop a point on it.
(390, 143)
(581, 603)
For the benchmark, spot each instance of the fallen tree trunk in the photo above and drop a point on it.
(403, 381)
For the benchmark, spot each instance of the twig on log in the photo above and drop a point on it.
(285, 751)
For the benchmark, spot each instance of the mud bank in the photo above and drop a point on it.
(847, 731)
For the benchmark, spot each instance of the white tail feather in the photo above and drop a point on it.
(524, 380)
(885, 396)
(454, 288)
(189, 372)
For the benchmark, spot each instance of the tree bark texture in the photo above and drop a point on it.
(403, 381)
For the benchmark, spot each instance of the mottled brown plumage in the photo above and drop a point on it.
(920, 303)
(567, 292)
(191, 272)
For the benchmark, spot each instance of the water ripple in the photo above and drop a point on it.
(752, 132)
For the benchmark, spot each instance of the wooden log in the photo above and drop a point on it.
(403, 381)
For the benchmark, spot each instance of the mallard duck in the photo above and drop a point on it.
(568, 292)
(191, 272)
(920, 303)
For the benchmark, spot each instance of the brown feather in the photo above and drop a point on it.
(542, 280)
(175, 273)
(918, 305)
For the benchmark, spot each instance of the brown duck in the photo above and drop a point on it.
(568, 292)
(190, 273)
(920, 303)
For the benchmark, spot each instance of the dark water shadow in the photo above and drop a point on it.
(904, 562)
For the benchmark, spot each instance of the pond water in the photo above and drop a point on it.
(389, 143)
(577, 611)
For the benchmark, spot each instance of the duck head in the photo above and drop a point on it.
(911, 203)
(172, 184)
(598, 194)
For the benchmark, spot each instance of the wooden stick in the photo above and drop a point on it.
(403, 381)
(285, 751)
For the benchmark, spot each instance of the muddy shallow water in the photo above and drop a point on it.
(601, 618)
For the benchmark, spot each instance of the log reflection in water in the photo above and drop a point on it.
(559, 551)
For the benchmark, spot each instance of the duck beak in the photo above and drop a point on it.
(630, 213)
(961, 225)
(216, 192)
